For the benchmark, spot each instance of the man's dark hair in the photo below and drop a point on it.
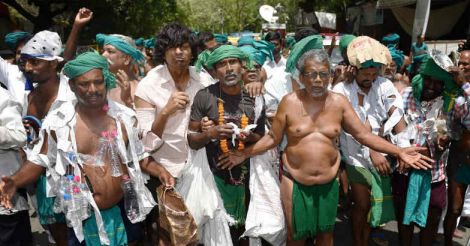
(202, 39)
(171, 36)
(304, 32)
(273, 36)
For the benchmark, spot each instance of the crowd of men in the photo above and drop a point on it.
(262, 139)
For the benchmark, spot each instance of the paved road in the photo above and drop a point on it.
(343, 235)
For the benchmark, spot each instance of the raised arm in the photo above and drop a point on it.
(83, 16)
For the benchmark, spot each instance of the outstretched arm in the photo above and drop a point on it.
(352, 124)
(155, 169)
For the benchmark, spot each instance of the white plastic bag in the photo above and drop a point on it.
(265, 218)
(199, 191)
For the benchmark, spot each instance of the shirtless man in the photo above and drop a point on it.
(312, 119)
(89, 116)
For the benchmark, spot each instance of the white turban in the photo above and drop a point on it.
(45, 45)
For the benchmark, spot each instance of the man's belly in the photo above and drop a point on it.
(107, 190)
(312, 162)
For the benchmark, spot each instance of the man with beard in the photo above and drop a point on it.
(51, 92)
(379, 106)
(227, 104)
(459, 156)
(312, 119)
(424, 105)
(90, 147)
(123, 58)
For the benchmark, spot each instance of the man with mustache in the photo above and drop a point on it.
(226, 104)
(459, 156)
(424, 104)
(88, 146)
(379, 106)
(312, 119)
(123, 58)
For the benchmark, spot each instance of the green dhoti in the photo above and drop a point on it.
(234, 199)
(113, 225)
(46, 204)
(314, 208)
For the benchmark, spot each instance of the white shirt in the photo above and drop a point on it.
(62, 121)
(12, 137)
(275, 70)
(15, 82)
(381, 98)
(171, 150)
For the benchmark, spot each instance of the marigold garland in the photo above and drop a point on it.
(243, 124)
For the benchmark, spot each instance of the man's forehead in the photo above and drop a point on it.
(465, 54)
(91, 75)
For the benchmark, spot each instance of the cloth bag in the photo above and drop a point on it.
(176, 222)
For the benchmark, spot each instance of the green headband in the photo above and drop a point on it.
(227, 51)
(304, 45)
(86, 62)
(121, 45)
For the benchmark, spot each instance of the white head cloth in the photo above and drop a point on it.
(45, 45)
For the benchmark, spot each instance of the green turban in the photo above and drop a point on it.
(202, 60)
(245, 40)
(266, 49)
(417, 60)
(344, 42)
(12, 39)
(227, 51)
(391, 40)
(86, 62)
(221, 38)
(139, 42)
(290, 42)
(309, 43)
(121, 45)
(431, 69)
(397, 57)
(149, 43)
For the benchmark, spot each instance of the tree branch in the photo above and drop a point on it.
(20, 10)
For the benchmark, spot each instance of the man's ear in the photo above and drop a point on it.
(127, 60)
(72, 85)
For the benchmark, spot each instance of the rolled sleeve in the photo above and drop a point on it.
(151, 141)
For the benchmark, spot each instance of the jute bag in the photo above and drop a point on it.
(177, 225)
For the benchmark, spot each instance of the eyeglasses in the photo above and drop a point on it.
(313, 75)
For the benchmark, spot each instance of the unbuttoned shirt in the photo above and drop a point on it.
(12, 138)
(413, 111)
(171, 150)
(381, 98)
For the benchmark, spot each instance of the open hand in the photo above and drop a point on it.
(123, 82)
(410, 157)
